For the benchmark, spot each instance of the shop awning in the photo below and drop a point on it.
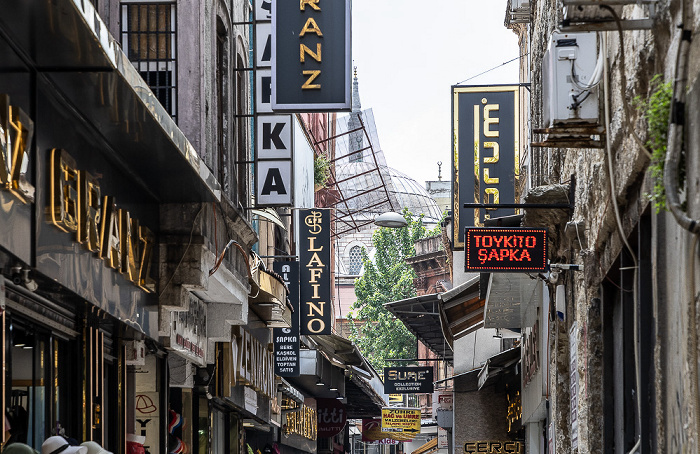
(463, 308)
(423, 316)
(361, 398)
(427, 448)
(496, 367)
(340, 349)
(69, 44)
(508, 297)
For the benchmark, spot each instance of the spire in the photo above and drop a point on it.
(356, 105)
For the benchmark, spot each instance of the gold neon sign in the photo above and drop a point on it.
(77, 206)
(16, 132)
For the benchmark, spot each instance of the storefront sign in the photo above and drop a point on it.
(252, 363)
(505, 249)
(404, 420)
(311, 55)
(531, 352)
(16, 133)
(286, 340)
(315, 274)
(303, 421)
(408, 380)
(331, 417)
(77, 206)
(494, 447)
(372, 433)
(486, 154)
(188, 331)
(573, 383)
(515, 410)
(442, 439)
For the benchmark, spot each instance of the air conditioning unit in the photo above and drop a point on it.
(571, 72)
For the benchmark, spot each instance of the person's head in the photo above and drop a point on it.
(59, 445)
(19, 448)
(94, 448)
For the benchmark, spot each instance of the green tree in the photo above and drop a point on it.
(377, 333)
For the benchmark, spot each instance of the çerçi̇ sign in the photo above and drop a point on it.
(505, 249)
(311, 55)
(493, 447)
(315, 275)
(405, 420)
(407, 380)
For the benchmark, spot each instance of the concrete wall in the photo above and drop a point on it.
(479, 416)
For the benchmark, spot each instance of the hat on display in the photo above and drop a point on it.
(59, 445)
(19, 448)
(94, 448)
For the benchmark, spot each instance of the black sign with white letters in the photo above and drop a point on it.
(315, 316)
(408, 380)
(286, 340)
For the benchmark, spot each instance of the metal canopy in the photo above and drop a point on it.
(508, 297)
(422, 316)
(69, 45)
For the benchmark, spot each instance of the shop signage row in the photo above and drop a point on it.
(303, 422)
(252, 363)
(404, 420)
(274, 145)
(372, 433)
(505, 249)
(286, 340)
(16, 132)
(188, 331)
(486, 156)
(311, 55)
(76, 205)
(315, 275)
(493, 447)
(331, 417)
(408, 380)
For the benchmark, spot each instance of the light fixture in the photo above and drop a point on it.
(319, 382)
(333, 388)
(391, 220)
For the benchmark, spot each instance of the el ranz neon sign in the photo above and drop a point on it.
(505, 249)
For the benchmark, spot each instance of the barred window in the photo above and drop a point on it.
(148, 37)
(355, 260)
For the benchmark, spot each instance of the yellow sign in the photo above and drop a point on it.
(405, 420)
(395, 398)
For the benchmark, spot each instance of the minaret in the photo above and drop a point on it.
(357, 139)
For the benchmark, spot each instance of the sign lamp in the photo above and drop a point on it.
(390, 219)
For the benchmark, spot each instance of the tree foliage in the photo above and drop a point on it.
(377, 333)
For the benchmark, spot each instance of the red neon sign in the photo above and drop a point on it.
(505, 249)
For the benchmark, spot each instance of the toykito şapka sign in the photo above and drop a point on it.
(505, 249)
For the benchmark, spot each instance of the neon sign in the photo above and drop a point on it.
(505, 249)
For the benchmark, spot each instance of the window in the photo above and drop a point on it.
(222, 91)
(148, 37)
(355, 260)
(242, 125)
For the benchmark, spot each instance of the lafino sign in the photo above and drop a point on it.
(505, 249)
(315, 275)
(311, 55)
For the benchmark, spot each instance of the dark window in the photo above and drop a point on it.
(148, 36)
(222, 90)
(242, 158)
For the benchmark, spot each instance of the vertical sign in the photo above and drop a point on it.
(573, 383)
(273, 143)
(315, 275)
(286, 340)
(311, 55)
(486, 153)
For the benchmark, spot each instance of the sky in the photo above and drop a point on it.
(408, 54)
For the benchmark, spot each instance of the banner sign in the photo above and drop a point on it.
(505, 249)
(408, 380)
(331, 417)
(286, 340)
(315, 316)
(404, 420)
(311, 55)
(486, 153)
(273, 133)
(372, 433)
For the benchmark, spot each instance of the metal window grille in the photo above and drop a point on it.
(355, 260)
(148, 33)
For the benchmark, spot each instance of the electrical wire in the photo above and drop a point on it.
(189, 243)
(495, 67)
(623, 237)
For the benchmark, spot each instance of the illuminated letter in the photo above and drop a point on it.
(303, 50)
(315, 261)
(315, 275)
(492, 159)
(316, 308)
(310, 26)
(321, 325)
(489, 180)
(491, 195)
(109, 234)
(312, 245)
(488, 121)
(311, 3)
(146, 240)
(89, 211)
(313, 74)
(16, 132)
(63, 196)
(127, 229)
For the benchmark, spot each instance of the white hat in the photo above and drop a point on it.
(94, 448)
(59, 445)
